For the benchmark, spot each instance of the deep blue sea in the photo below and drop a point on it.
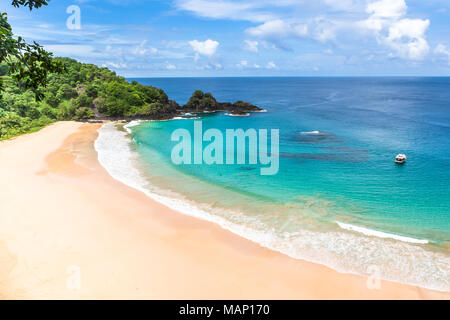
(338, 198)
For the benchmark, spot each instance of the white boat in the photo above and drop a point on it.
(400, 158)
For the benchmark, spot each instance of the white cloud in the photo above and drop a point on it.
(387, 8)
(411, 28)
(278, 21)
(442, 51)
(141, 49)
(251, 46)
(271, 65)
(245, 65)
(45, 26)
(269, 46)
(343, 5)
(406, 37)
(276, 29)
(387, 20)
(170, 66)
(300, 29)
(242, 64)
(324, 30)
(240, 10)
(259, 10)
(320, 29)
(111, 64)
(73, 50)
(210, 66)
(206, 48)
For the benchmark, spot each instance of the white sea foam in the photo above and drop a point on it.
(237, 115)
(344, 251)
(379, 234)
(185, 118)
(131, 124)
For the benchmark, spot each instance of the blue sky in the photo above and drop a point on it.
(162, 38)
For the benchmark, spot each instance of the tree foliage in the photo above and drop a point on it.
(201, 101)
(83, 92)
(29, 64)
(29, 3)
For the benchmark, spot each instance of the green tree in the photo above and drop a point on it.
(84, 113)
(82, 101)
(29, 64)
(3, 69)
(24, 104)
(48, 111)
(66, 92)
(92, 90)
(52, 99)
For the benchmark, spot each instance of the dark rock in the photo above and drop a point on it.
(205, 102)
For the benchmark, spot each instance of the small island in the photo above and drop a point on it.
(205, 102)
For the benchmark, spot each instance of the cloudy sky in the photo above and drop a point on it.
(156, 38)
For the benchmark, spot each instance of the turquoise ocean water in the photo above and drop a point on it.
(338, 198)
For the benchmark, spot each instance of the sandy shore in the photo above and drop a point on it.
(68, 230)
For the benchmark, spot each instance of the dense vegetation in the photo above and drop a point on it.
(84, 91)
(28, 63)
(201, 101)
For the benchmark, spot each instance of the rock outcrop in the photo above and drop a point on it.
(205, 102)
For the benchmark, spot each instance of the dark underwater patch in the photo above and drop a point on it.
(349, 155)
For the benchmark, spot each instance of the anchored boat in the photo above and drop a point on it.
(400, 158)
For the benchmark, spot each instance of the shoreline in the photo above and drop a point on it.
(76, 214)
(119, 158)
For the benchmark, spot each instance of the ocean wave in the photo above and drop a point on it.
(185, 118)
(132, 123)
(237, 115)
(379, 234)
(340, 249)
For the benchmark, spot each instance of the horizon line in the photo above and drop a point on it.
(323, 76)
